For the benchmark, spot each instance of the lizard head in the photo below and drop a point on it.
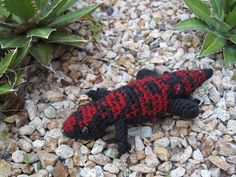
(76, 127)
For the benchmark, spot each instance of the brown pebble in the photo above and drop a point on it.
(207, 146)
(60, 170)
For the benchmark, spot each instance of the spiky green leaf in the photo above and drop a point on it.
(21, 8)
(59, 8)
(5, 31)
(95, 28)
(42, 52)
(20, 55)
(64, 38)
(73, 44)
(229, 5)
(67, 5)
(3, 12)
(13, 42)
(230, 19)
(2, 29)
(211, 44)
(218, 25)
(74, 16)
(16, 77)
(20, 75)
(229, 54)
(218, 8)
(5, 88)
(5, 62)
(233, 38)
(192, 24)
(8, 25)
(199, 8)
(40, 4)
(40, 32)
(16, 19)
(51, 8)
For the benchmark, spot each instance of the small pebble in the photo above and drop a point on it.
(64, 151)
(18, 156)
(111, 168)
(98, 146)
(178, 172)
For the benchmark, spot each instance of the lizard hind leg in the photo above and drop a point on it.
(184, 108)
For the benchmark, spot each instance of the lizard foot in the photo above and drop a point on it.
(123, 147)
(111, 140)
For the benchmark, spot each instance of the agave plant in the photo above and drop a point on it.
(219, 21)
(33, 27)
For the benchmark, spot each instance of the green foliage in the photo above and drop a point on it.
(37, 167)
(234, 77)
(34, 27)
(219, 23)
(26, 158)
(167, 174)
(5, 135)
(211, 44)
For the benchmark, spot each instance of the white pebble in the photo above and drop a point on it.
(38, 144)
(178, 172)
(64, 151)
(197, 155)
(186, 154)
(27, 130)
(18, 156)
(50, 112)
(98, 146)
(111, 168)
(205, 173)
(138, 143)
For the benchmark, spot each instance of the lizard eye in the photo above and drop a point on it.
(85, 130)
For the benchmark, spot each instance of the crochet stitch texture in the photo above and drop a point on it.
(148, 98)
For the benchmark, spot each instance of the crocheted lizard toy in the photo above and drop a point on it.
(145, 99)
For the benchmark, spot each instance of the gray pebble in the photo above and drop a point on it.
(143, 132)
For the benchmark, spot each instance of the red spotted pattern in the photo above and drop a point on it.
(159, 101)
(116, 102)
(69, 124)
(87, 111)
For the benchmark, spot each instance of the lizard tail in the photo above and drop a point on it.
(189, 80)
(208, 73)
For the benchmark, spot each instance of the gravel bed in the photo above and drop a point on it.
(137, 34)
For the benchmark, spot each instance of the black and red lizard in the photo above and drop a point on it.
(148, 98)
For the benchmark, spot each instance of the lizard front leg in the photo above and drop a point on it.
(144, 73)
(120, 137)
(184, 108)
(97, 94)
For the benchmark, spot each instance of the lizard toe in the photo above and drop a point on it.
(123, 147)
